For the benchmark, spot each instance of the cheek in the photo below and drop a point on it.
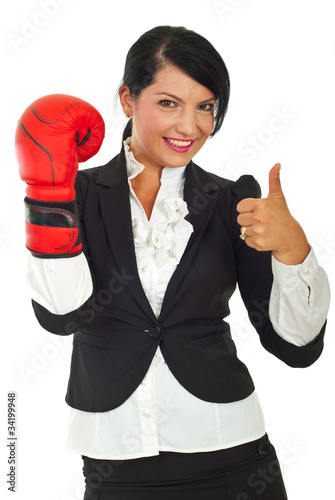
(149, 125)
(205, 126)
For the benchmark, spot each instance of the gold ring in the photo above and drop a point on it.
(244, 234)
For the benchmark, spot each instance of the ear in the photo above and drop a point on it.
(126, 100)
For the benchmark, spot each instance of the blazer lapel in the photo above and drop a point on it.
(116, 213)
(200, 194)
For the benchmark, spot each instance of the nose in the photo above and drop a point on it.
(187, 123)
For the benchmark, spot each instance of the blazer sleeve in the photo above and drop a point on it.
(255, 278)
(74, 321)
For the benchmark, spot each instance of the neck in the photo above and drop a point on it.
(146, 186)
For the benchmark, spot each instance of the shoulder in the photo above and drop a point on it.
(87, 174)
(244, 187)
(228, 193)
(94, 173)
(103, 176)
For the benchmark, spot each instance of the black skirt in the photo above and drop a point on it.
(247, 472)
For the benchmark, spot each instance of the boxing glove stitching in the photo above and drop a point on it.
(39, 117)
(66, 221)
(68, 217)
(26, 133)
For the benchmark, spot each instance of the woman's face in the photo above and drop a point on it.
(172, 119)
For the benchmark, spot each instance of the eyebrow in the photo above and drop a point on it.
(178, 99)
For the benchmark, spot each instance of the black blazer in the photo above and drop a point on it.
(116, 332)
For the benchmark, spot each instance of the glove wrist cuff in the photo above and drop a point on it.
(52, 229)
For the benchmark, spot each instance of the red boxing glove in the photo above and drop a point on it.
(55, 133)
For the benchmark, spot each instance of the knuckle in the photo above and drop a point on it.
(258, 229)
(257, 242)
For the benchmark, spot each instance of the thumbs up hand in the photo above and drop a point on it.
(267, 224)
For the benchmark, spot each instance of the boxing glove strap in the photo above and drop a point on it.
(52, 229)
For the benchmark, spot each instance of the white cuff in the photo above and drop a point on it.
(299, 301)
(60, 285)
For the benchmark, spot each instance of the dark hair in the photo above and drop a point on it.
(185, 49)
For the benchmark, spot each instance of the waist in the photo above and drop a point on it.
(161, 415)
(169, 467)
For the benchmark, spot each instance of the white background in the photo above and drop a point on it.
(280, 55)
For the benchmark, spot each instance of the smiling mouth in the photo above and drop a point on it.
(179, 143)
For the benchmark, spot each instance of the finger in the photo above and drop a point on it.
(247, 205)
(245, 219)
(275, 189)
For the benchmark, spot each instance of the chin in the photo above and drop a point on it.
(179, 160)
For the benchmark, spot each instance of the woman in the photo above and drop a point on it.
(160, 403)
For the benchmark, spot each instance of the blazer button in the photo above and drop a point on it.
(155, 331)
(264, 448)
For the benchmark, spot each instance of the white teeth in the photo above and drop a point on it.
(179, 144)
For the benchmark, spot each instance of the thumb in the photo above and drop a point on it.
(275, 189)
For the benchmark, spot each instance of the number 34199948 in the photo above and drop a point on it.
(11, 413)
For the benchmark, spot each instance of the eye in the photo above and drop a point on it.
(165, 103)
(206, 107)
